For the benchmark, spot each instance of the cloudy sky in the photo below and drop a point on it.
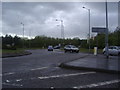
(39, 18)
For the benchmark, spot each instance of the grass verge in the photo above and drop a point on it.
(5, 51)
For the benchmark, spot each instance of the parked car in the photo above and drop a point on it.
(71, 48)
(50, 48)
(112, 50)
(56, 47)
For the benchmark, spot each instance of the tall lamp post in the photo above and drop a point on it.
(23, 33)
(62, 28)
(89, 27)
(106, 33)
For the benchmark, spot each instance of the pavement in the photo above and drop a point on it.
(95, 63)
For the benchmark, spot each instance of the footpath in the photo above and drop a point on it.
(95, 63)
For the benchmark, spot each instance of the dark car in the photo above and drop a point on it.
(71, 48)
(50, 48)
(56, 47)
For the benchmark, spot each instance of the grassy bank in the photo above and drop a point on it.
(18, 50)
(6, 51)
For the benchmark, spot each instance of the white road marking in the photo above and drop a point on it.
(18, 80)
(0, 75)
(66, 75)
(10, 73)
(51, 87)
(39, 68)
(12, 84)
(7, 81)
(57, 51)
(97, 84)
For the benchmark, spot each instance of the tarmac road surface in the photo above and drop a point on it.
(40, 70)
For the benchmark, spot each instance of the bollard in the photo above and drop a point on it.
(95, 51)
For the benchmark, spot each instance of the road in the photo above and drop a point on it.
(40, 70)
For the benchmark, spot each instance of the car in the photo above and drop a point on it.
(112, 50)
(50, 48)
(71, 48)
(56, 47)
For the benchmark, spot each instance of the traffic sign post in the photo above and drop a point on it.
(98, 29)
(102, 30)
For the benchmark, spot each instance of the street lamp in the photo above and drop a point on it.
(62, 28)
(106, 33)
(89, 27)
(23, 33)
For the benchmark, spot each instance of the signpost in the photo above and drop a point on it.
(98, 29)
(104, 30)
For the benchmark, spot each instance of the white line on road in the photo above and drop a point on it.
(10, 73)
(0, 75)
(18, 85)
(66, 75)
(58, 51)
(7, 81)
(97, 84)
(18, 80)
(39, 68)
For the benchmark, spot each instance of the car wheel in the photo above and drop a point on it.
(119, 54)
(65, 51)
(71, 51)
(77, 51)
(104, 52)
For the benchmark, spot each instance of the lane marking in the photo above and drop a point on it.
(97, 84)
(55, 76)
(65, 75)
(57, 52)
(0, 75)
(18, 80)
(18, 85)
(10, 73)
(7, 81)
(38, 68)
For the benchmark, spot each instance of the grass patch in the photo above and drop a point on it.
(6, 51)
(35, 48)
(18, 50)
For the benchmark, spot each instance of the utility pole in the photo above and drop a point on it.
(23, 34)
(29, 38)
(106, 33)
(62, 28)
(89, 27)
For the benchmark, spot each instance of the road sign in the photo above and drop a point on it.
(98, 29)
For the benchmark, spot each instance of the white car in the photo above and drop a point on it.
(112, 50)
(71, 48)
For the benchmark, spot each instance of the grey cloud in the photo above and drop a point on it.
(39, 18)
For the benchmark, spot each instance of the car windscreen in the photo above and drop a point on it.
(118, 47)
(49, 46)
(73, 46)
